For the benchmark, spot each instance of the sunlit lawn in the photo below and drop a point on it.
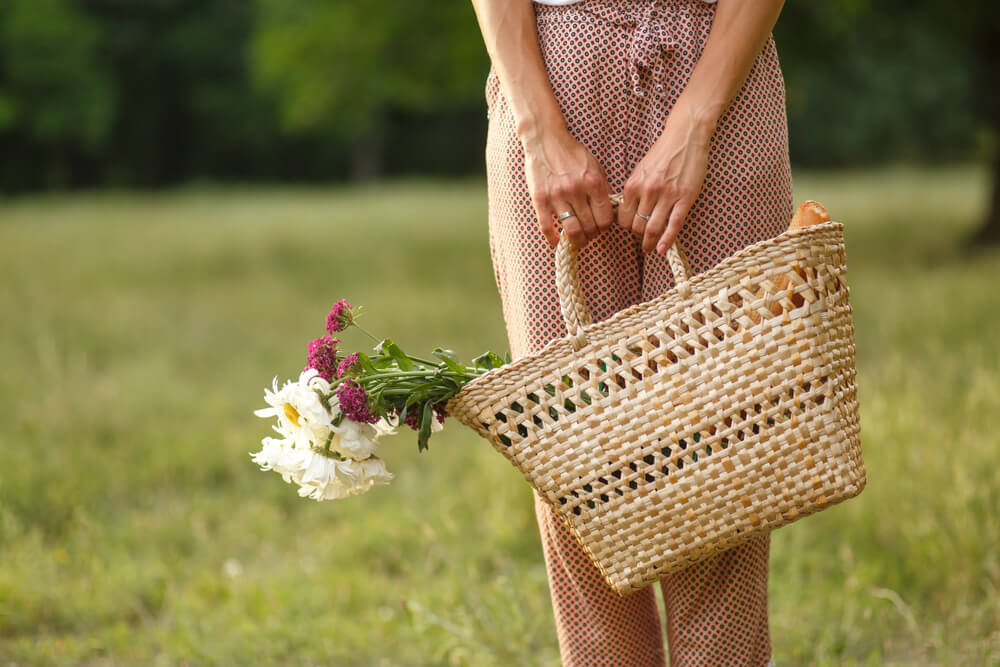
(137, 333)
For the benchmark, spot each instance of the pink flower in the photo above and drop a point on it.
(441, 413)
(354, 402)
(412, 420)
(413, 415)
(347, 364)
(340, 316)
(323, 356)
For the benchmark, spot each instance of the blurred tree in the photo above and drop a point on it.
(347, 66)
(56, 98)
(976, 25)
(864, 82)
(164, 91)
(185, 106)
(895, 80)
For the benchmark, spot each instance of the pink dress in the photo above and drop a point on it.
(616, 67)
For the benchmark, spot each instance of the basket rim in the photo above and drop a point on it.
(693, 281)
(473, 403)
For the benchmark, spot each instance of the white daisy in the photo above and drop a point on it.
(373, 471)
(300, 412)
(293, 463)
(323, 478)
(388, 426)
(271, 453)
(354, 440)
(385, 426)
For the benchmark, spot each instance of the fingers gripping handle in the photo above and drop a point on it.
(571, 299)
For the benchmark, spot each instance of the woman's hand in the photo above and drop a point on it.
(666, 182)
(563, 175)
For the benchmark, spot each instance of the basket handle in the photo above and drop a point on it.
(571, 301)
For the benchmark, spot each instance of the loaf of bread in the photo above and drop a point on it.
(808, 213)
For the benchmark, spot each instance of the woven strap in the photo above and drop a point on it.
(571, 300)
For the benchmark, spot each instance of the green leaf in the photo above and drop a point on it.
(488, 360)
(366, 363)
(425, 426)
(383, 361)
(397, 354)
(482, 361)
(448, 357)
(424, 389)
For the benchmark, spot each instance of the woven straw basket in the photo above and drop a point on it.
(682, 426)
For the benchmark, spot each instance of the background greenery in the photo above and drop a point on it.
(137, 340)
(113, 92)
(138, 328)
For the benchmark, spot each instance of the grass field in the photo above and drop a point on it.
(137, 332)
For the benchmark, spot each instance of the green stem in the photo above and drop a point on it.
(403, 391)
(366, 331)
(422, 373)
(428, 374)
(375, 338)
(435, 364)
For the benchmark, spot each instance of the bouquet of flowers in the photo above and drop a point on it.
(330, 419)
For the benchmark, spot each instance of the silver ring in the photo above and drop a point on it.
(566, 214)
(644, 216)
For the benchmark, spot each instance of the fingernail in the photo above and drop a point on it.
(660, 249)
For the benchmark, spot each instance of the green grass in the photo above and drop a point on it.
(137, 332)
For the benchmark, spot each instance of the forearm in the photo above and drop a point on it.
(511, 38)
(739, 31)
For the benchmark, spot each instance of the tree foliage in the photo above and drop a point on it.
(54, 86)
(345, 67)
(342, 64)
(869, 84)
(119, 92)
(55, 93)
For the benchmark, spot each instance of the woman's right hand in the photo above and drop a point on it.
(563, 175)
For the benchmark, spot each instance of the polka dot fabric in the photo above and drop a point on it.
(616, 68)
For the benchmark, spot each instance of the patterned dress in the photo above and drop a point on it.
(616, 68)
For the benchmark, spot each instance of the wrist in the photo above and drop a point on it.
(700, 119)
(531, 127)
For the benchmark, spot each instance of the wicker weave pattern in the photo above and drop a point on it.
(682, 426)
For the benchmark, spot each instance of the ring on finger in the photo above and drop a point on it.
(644, 216)
(565, 214)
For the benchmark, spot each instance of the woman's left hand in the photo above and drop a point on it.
(666, 182)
